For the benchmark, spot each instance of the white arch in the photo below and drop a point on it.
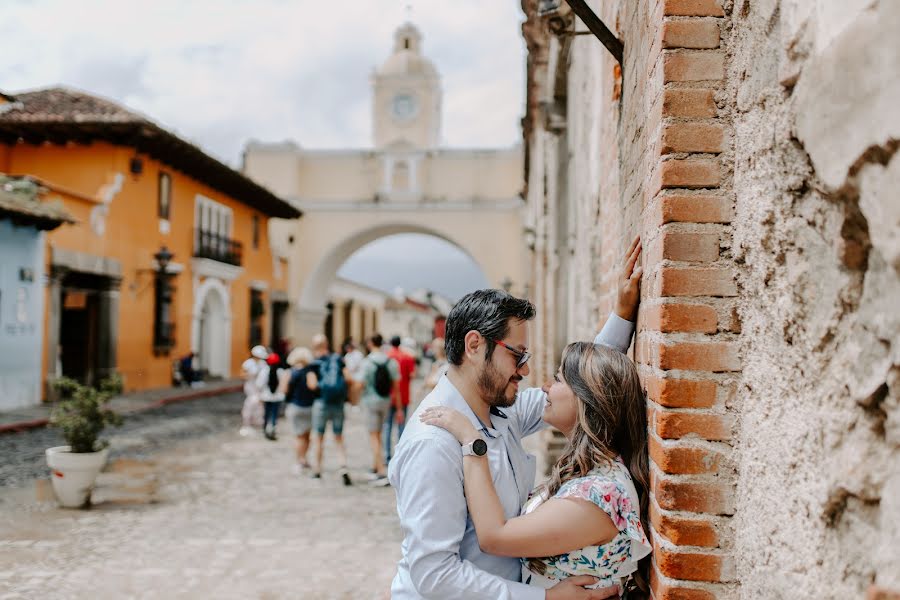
(214, 352)
(315, 291)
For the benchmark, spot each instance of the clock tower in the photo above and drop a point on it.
(407, 95)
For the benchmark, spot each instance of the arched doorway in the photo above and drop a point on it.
(212, 329)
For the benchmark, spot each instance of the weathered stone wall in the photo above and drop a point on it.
(752, 143)
(814, 92)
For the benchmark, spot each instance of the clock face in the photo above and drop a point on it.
(404, 106)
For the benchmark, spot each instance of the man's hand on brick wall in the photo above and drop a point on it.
(628, 283)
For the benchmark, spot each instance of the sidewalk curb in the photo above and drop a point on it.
(194, 394)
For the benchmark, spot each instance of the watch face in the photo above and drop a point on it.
(479, 447)
(404, 106)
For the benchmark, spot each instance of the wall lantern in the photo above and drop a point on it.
(548, 8)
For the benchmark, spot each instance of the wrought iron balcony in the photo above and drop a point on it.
(217, 247)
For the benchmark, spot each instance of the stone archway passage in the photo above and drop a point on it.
(492, 238)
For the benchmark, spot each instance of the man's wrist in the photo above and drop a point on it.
(624, 313)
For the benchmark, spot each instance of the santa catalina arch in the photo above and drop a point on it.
(406, 183)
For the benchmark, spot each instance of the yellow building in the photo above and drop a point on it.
(170, 252)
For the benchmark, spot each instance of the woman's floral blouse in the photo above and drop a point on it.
(610, 487)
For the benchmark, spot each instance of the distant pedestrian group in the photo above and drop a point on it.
(315, 385)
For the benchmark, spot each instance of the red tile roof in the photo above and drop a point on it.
(60, 115)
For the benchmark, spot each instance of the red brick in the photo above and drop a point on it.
(705, 65)
(689, 173)
(681, 393)
(676, 425)
(690, 33)
(698, 103)
(683, 246)
(690, 566)
(879, 593)
(692, 8)
(710, 498)
(664, 591)
(697, 356)
(679, 460)
(670, 318)
(691, 136)
(675, 281)
(683, 532)
(690, 208)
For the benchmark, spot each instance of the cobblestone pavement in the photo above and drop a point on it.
(220, 516)
(139, 436)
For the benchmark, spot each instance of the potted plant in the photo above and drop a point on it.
(81, 414)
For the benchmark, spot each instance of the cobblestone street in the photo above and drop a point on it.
(216, 517)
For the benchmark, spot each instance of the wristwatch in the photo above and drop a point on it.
(477, 447)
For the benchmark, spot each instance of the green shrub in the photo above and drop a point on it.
(80, 412)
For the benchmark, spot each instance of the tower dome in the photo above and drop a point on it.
(406, 58)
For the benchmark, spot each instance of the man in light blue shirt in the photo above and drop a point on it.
(486, 344)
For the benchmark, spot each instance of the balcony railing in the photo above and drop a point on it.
(217, 247)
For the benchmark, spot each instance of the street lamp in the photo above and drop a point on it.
(163, 258)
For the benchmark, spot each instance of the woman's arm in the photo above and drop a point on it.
(312, 382)
(556, 527)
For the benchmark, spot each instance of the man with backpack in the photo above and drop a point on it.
(329, 405)
(407, 364)
(380, 375)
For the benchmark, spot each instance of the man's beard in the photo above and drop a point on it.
(492, 387)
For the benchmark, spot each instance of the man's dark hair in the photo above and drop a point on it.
(487, 312)
(395, 341)
(377, 340)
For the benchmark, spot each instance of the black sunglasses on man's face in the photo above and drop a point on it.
(523, 357)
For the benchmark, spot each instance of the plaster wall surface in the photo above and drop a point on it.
(813, 91)
(21, 315)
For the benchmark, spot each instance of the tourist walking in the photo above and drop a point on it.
(380, 375)
(255, 373)
(353, 359)
(328, 407)
(407, 364)
(272, 397)
(438, 366)
(300, 390)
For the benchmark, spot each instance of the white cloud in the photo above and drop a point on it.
(219, 73)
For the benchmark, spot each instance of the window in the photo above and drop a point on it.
(212, 232)
(400, 179)
(255, 232)
(163, 321)
(164, 200)
(257, 310)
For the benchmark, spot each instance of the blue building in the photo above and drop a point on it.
(23, 219)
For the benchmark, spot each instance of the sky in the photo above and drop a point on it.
(222, 72)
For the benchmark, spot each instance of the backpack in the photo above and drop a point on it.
(383, 380)
(332, 384)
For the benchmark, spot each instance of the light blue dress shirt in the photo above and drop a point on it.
(441, 557)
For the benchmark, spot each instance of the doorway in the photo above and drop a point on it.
(213, 347)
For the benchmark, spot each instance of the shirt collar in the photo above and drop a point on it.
(451, 397)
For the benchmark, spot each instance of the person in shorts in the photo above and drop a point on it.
(300, 390)
(334, 384)
(375, 370)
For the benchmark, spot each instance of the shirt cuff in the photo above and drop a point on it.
(616, 333)
(523, 591)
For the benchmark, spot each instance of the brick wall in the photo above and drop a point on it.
(687, 346)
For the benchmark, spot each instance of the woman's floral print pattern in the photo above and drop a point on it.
(618, 558)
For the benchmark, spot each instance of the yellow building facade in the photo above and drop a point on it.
(170, 252)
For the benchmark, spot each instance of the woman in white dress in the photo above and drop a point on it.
(590, 517)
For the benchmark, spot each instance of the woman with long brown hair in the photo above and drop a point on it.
(590, 517)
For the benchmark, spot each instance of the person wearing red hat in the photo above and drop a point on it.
(271, 397)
